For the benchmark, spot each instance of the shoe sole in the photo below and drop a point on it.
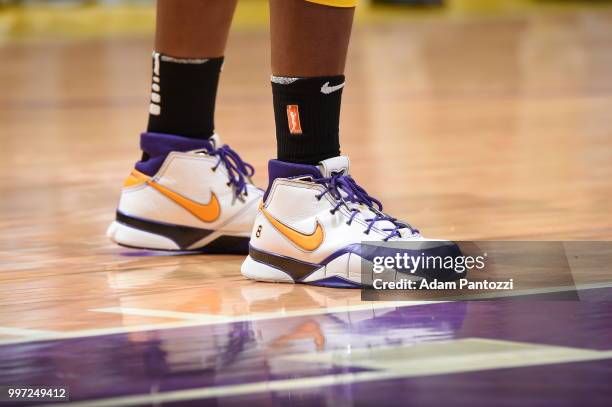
(285, 270)
(340, 270)
(138, 233)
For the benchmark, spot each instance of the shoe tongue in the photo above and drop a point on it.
(342, 164)
(335, 165)
(215, 139)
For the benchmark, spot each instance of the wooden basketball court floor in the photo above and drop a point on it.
(472, 128)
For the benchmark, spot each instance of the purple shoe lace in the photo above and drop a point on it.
(238, 171)
(356, 194)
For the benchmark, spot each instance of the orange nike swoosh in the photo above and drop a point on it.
(304, 241)
(209, 212)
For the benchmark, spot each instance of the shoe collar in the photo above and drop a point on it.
(328, 168)
(157, 146)
(284, 169)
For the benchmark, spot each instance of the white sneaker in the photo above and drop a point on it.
(311, 223)
(187, 194)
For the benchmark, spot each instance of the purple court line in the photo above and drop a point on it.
(240, 352)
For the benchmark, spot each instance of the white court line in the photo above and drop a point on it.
(161, 314)
(204, 320)
(530, 291)
(542, 356)
(207, 319)
(6, 330)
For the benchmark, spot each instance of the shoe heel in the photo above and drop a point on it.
(128, 236)
(262, 272)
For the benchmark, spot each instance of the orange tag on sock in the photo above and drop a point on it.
(293, 118)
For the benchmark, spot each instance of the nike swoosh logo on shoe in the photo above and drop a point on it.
(308, 242)
(209, 212)
(326, 89)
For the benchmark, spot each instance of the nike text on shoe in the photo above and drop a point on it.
(189, 194)
(311, 225)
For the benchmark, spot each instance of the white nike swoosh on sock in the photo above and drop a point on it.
(326, 89)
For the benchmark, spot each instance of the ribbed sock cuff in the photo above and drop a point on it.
(183, 95)
(307, 116)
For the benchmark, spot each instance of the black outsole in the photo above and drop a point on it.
(185, 236)
(214, 247)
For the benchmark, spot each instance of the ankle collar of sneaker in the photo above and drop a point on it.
(158, 145)
(283, 169)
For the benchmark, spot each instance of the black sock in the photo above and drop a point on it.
(307, 114)
(183, 95)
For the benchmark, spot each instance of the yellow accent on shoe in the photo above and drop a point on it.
(308, 242)
(209, 212)
(135, 178)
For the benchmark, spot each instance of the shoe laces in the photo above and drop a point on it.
(344, 190)
(238, 171)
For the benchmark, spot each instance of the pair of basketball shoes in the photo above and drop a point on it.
(307, 227)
